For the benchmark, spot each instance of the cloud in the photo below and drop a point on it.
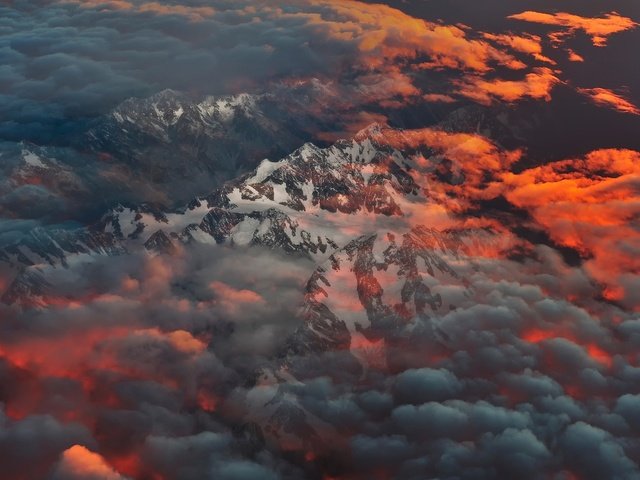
(80, 59)
(536, 85)
(420, 386)
(438, 97)
(384, 33)
(30, 445)
(79, 463)
(191, 13)
(593, 453)
(598, 28)
(609, 99)
(587, 204)
(575, 57)
(523, 369)
(530, 44)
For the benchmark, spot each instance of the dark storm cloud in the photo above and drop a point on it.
(501, 403)
(594, 453)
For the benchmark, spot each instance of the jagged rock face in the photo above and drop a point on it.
(164, 149)
(34, 183)
(160, 242)
(348, 177)
(171, 137)
(288, 204)
(27, 290)
(377, 289)
(179, 146)
(54, 247)
(362, 307)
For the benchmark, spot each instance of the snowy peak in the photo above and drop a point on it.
(162, 109)
(312, 202)
(225, 108)
(348, 177)
(166, 109)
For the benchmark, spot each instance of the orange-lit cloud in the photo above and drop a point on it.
(574, 57)
(537, 85)
(438, 98)
(474, 153)
(230, 294)
(609, 99)
(589, 204)
(529, 44)
(384, 33)
(598, 28)
(374, 53)
(80, 463)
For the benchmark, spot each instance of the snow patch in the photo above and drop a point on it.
(265, 169)
(33, 160)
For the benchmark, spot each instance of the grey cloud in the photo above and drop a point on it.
(595, 454)
(628, 406)
(243, 470)
(30, 445)
(431, 420)
(424, 385)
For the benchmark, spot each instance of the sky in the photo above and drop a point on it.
(479, 321)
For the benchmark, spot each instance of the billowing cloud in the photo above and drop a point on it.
(575, 57)
(589, 204)
(79, 463)
(598, 28)
(192, 13)
(181, 365)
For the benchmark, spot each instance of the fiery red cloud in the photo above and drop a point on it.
(588, 204)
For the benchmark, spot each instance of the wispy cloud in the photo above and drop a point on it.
(598, 28)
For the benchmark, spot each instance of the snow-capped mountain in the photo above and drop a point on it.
(311, 202)
(163, 150)
(184, 145)
(350, 207)
(171, 138)
(297, 203)
(370, 299)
